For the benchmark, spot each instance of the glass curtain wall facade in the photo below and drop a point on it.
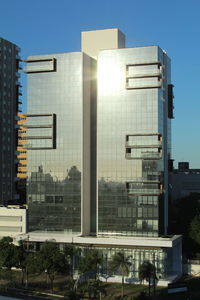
(133, 141)
(59, 94)
(98, 151)
(161, 258)
(10, 90)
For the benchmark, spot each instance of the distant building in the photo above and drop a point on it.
(10, 91)
(184, 181)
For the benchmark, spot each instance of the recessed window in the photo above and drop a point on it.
(143, 146)
(144, 75)
(41, 131)
(40, 65)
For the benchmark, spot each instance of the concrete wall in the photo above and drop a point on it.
(12, 221)
(95, 40)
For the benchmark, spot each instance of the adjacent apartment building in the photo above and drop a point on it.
(98, 150)
(10, 91)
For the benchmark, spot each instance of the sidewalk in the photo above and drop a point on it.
(28, 294)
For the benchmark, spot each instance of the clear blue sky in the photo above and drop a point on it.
(49, 26)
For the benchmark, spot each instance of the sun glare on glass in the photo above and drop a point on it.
(110, 77)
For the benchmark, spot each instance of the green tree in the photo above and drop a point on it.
(31, 264)
(72, 295)
(90, 262)
(51, 261)
(183, 212)
(8, 253)
(141, 296)
(95, 288)
(121, 263)
(70, 252)
(106, 272)
(195, 229)
(147, 272)
(22, 255)
(8, 257)
(27, 261)
(71, 290)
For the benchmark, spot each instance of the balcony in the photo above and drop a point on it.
(144, 86)
(144, 75)
(143, 186)
(136, 144)
(19, 64)
(143, 191)
(145, 156)
(18, 57)
(17, 74)
(18, 88)
(144, 140)
(21, 136)
(40, 65)
(18, 82)
(155, 73)
(143, 180)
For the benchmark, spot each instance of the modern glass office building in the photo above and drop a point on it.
(133, 144)
(97, 159)
(58, 158)
(10, 91)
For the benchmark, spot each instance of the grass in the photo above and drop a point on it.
(113, 290)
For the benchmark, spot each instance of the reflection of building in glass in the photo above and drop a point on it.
(121, 203)
(55, 204)
(58, 159)
(10, 90)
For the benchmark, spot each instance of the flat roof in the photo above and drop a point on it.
(161, 242)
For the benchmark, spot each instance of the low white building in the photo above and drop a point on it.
(12, 221)
(164, 252)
